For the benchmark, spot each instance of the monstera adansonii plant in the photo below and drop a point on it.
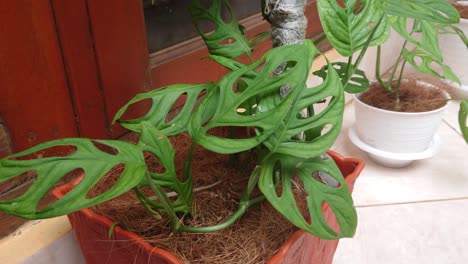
(268, 97)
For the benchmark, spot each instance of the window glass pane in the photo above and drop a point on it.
(168, 21)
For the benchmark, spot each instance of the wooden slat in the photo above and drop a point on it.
(34, 99)
(121, 51)
(76, 41)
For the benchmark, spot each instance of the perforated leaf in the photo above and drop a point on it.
(348, 28)
(356, 84)
(462, 119)
(163, 100)
(265, 119)
(328, 122)
(50, 169)
(283, 168)
(440, 11)
(155, 142)
(427, 40)
(426, 63)
(228, 38)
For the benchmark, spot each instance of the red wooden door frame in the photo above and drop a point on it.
(34, 98)
(106, 57)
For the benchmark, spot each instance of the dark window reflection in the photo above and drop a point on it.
(168, 21)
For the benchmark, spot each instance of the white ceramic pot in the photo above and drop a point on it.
(395, 139)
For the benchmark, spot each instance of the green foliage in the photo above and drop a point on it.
(357, 83)
(156, 142)
(228, 38)
(462, 119)
(272, 178)
(438, 11)
(348, 28)
(162, 100)
(50, 169)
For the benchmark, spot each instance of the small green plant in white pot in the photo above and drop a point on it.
(398, 117)
(267, 110)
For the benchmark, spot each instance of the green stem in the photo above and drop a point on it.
(377, 71)
(243, 206)
(395, 67)
(147, 204)
(165, 202)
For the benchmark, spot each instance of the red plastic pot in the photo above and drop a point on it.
(126, 247)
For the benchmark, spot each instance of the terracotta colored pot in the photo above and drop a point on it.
(125, 247)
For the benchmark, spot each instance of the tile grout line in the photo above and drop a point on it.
(413, 202)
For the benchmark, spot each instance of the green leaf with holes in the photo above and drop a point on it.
(356, 84)
(426, 63)
(439, 11)
(50, 169)
(277, 173)
(228, 38)
(348, 28)
(264, 85)
(428, 40)
(163, 100)
(462, 119)
(286, 137)
(155, 142)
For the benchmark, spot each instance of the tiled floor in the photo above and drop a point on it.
(412, 215)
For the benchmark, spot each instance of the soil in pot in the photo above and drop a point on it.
(414, 97)
(254, 238)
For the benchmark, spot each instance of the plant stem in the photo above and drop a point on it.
(243, 206)
(394, 68)
(147, 203)
(165, 202)
(377, 71)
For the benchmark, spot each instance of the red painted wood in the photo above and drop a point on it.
(73, 27)
(121, 51)
(34, 99)
(190, 69)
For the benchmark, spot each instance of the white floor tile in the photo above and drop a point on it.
(434, 232)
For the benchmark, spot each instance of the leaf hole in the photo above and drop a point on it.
(283, 68)
(300, 196)
(105, 148)
(278, 178)
(17, 186)
(326, 179)
(55, 151)
(227, 41)
(322, 105)
(176, 107)
(107, 181)
(418, 61)
(326, 128)
(239, 86)
(330, 218)
(234, 132)
(153, 163)
(137, 109)
(226, 12)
